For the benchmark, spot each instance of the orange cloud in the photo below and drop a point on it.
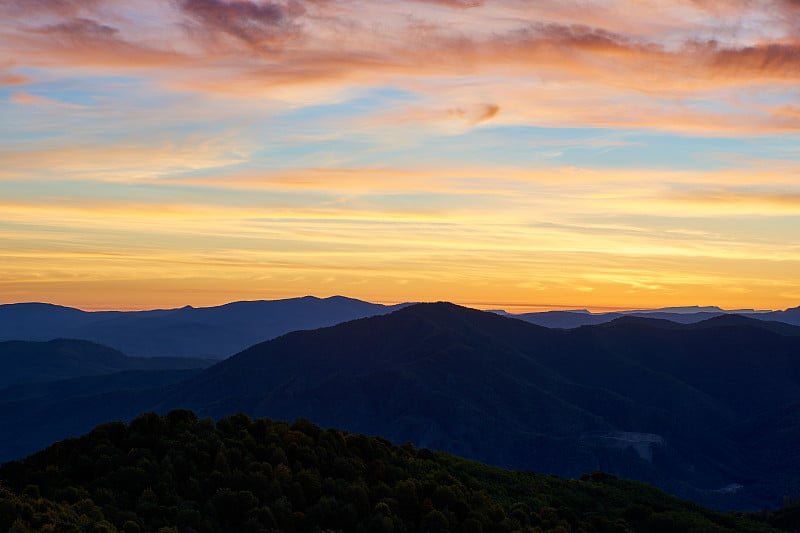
(7, 78)
(477, 114)
(733, 201)
(32, 99)
(309, 40)
(120, 162)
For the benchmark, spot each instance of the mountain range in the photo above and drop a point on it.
(683, 315)
(220, 331)
(706, 410)
(210, 332)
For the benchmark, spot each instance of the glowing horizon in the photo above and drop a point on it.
(613, 155)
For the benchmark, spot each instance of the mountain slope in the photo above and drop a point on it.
(642, 398)
(41, 413)
(30, 362)
(259, 475)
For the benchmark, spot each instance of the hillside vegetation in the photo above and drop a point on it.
(177, 473)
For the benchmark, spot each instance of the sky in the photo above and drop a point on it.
(495, 153)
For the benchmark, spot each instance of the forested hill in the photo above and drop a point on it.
(243, 475)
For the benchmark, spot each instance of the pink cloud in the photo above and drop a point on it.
(253, 47)
(459, 4)
(56, 7)
(83, 42)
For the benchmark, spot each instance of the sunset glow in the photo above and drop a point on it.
(499, 154)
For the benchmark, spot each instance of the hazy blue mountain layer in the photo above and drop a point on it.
(215, 332)
(683, 315)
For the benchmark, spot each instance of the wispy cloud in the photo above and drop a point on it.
(32, 99)
(121, 162)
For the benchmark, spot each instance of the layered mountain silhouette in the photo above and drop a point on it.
(215, 332)
(703, 410)
(683, 315)
(642, 398)
(220, 331)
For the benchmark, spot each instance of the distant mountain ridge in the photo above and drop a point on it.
(220, 331)
(214, 332)
(683, 315)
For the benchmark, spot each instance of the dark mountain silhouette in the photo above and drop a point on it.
(642, 398)
(178, 473)
(30, 362)
(215, 332)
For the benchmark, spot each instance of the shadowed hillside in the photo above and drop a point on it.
(31, 362)
(247, 475)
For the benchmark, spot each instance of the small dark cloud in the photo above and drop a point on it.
(79, 31)
(475, 114)
(80, 27)
(259, 25)
(579, 36)
(458, 4)
(91, 42)
(488, 112)
(771, 59)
